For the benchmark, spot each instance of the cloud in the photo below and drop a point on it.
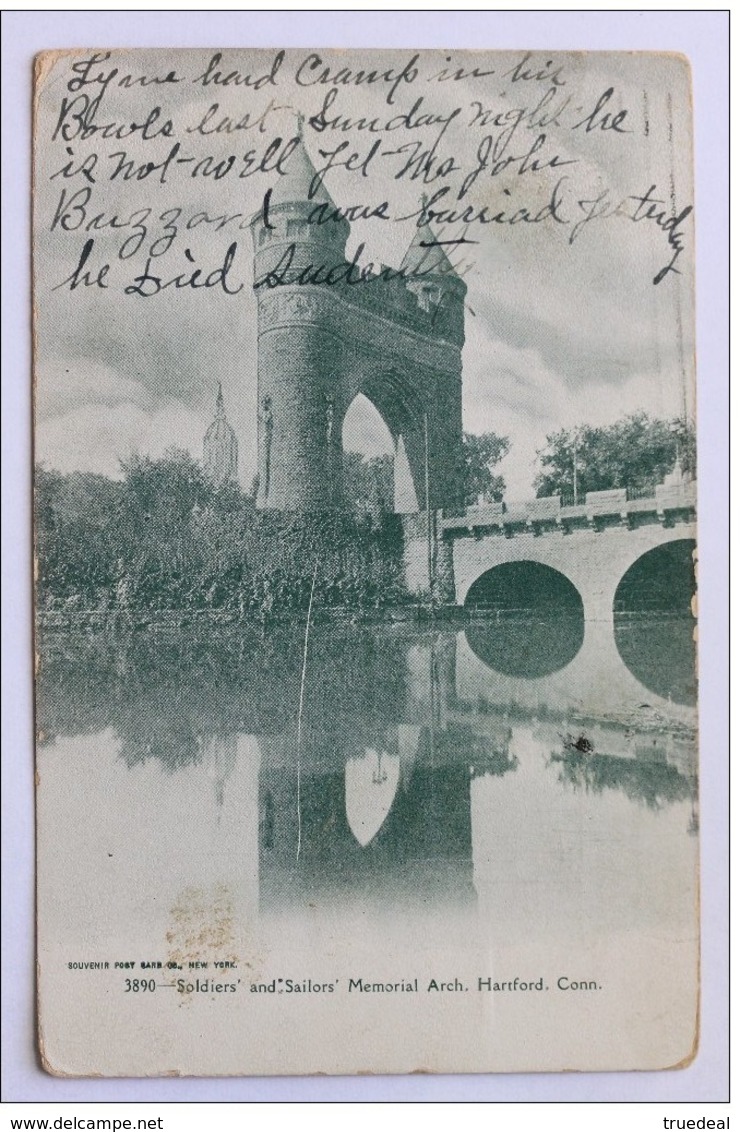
(95, 437)
(89, 414)
(66, 384)
(512, 391)
(563, 331)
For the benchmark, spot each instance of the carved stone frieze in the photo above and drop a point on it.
(360, 327)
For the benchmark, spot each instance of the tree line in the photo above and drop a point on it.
(636, 452)
(164, 537)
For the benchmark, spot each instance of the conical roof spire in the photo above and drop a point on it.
(220, 448)
(295, 184)
(424, 255)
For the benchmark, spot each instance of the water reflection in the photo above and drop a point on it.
(527, 619)
(657, 649)
(661, 653)
(348, 821)
(530, 647)
(370, 782)
(653, 622)
(649, 778)
(405, 752)
(219, 752)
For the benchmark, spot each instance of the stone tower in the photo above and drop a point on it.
(396, 337)
(220, 448)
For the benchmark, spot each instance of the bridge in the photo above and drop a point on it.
(592, 544)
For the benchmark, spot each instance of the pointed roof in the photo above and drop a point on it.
(424, 255)
(220, 428)
(294, 184)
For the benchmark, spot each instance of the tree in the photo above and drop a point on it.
(76, 534)
(368, 483)
(635, 452)
(481, 454)
(164, 492)
(165, 538)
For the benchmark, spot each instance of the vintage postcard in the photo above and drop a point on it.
(365, 562)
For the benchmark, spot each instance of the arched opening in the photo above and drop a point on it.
(370, 783)
(376, 473)
(654, 623)
(526, 619)
(661, 581)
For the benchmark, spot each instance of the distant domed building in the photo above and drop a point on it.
(220, 448)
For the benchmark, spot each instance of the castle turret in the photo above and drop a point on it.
(439, 290)
(303, 226)
(299, 366)
(220, 448)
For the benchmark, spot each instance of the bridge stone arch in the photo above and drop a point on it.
(542, 569)
(594, 561)
(549, 636)
(662, 580)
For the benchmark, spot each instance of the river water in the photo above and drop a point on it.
(414, 795)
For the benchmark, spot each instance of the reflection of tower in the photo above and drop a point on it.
(365, 832)
(220, 449)
(219, 753)
(370, 784)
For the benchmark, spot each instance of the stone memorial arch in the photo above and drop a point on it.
(329, 330)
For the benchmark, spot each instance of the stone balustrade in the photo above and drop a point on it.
(599, 510)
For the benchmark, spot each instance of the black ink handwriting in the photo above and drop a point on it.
(88, 72)
(455, 74)
(284, 274)
(86, 167)
(212, 76)
(209, 124)
(649, 207)
(490, 160)
(310, 73)
(78, 278)
(352, 162)
(77, 121)
(147, 285)
(424, 163)
(522, 73)
(537, 117)
(414, 119)
(608, 121)
(472, 214)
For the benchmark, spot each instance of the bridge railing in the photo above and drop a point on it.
(628, 494)
(568, 499)
(634, 493)
(591, 505)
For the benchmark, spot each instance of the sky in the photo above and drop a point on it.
(564, 324)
